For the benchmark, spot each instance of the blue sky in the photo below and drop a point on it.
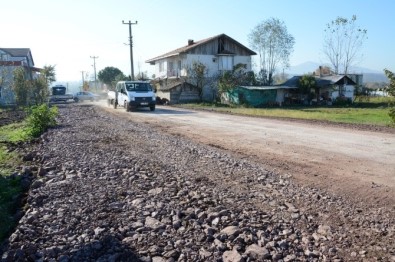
(66, 33)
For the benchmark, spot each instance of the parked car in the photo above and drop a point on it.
(85, 96)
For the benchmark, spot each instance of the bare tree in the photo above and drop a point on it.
(343, 42)
(274, 45)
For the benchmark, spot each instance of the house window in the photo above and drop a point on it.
(170, 69)
(225, 62)
(161, 67)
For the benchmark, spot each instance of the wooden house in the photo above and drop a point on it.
(218, 54)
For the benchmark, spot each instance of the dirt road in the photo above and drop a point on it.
(355, 164)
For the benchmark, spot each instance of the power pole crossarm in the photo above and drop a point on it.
(131, 46)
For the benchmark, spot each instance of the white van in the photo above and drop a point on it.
(132, 94)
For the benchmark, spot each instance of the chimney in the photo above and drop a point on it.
(190, 42)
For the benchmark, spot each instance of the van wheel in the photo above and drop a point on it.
(126, 105)
(152, 108)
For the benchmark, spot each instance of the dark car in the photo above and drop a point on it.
(85, 96)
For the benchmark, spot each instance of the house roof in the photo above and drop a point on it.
(321, 81)
(193, 45)
(172, 83)
(18, 52)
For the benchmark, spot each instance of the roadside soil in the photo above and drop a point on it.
(10, 116)
(353, 161)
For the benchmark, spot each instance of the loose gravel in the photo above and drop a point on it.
(109, 189)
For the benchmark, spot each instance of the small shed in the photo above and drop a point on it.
(176, 91)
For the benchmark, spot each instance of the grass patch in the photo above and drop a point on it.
(374, 114)
(13, 133)
(10, 187)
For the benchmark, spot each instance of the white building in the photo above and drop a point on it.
(218, 54)
(11, 59)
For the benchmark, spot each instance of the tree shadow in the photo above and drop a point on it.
(106, 248)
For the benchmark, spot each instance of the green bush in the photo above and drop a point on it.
(392, 113)
(40, 118)
(342, 101)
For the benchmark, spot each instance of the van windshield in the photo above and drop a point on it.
(138, 87)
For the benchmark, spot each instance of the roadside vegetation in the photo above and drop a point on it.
(10, 186)
(30, 97)
(372, 112)
(38, 120)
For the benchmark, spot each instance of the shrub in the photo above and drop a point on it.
(342, 101)
(40, 118)
(392, 113)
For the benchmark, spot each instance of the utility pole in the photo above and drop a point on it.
(94, 69)
(83, 80)
(131, 46)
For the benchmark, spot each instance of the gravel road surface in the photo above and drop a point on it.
(181, 185)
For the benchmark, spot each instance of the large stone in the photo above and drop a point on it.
(231, 231)
(256, 252)
(232, 256)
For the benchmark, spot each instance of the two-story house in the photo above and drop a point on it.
(10, 59)
(218, 54)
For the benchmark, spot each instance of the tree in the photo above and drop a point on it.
(109, 75)
(49, 74)
(237, 77)
(20, 87)
(39, 90)
(274, 45)
(280, 78)
(197, 74)
(391, 91)
(306, 83)
(343, 42)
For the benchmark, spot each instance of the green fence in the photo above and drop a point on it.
(253, 97)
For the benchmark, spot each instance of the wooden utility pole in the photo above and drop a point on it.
(131, 46)
(94, 69)
(83, 80)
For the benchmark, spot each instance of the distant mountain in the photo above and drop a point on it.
(304, 68)
(369, 75)
(375, 77)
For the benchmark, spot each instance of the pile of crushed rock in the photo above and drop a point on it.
(110, 189)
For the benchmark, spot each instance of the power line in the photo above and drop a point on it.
(131, 46)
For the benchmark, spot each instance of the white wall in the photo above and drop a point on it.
(348, 91)
(210, 61)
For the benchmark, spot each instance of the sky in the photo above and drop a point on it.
(67, 33)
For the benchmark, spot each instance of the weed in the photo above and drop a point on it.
(40, 118)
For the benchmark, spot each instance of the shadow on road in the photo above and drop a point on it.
(164, 111)
(173, 112)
